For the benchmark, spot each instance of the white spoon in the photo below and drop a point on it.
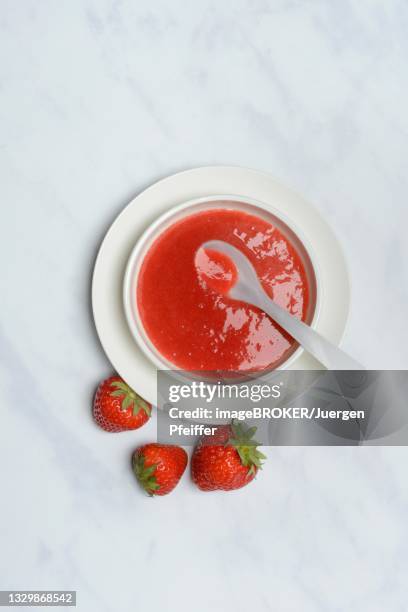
(249, 289)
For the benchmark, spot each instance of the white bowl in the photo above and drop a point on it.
(183, 210)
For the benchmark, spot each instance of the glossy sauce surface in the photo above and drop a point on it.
(181, 293)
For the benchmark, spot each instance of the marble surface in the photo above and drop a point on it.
(99, 98)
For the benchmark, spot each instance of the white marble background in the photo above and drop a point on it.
(99, 98)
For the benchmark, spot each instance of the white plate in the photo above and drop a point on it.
(114, 334)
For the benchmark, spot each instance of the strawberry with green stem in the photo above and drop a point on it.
(159, 467)
(117, 407)
(227, 460)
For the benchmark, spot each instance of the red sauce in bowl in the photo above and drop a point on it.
(181, 293)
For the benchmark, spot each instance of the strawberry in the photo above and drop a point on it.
(227, 460)
(118, 408)
(159, 467)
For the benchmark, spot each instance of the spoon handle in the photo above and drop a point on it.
(327, 353)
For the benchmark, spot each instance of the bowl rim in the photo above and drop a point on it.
(155, 229)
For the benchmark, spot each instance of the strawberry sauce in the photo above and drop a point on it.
(182, 302)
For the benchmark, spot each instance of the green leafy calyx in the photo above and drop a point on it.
(246, 447)
(144, 474)
(129, 398)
